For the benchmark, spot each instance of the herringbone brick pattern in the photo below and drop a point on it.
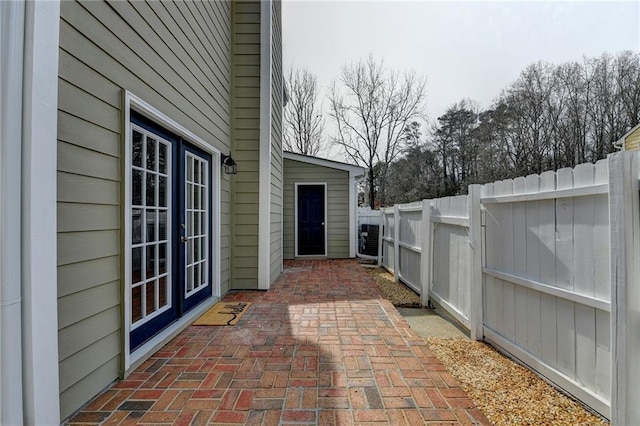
(320, 347)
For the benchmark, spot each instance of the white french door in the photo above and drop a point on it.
(170, 233)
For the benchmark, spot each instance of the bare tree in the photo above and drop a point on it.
(372, 106)
(303, 121)
(454, 142)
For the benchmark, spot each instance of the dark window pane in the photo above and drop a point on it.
(189, 161)
(162, 158)
(190, 224)
(196, 224)
(136, 226)
(162, 191)
(151, 297)
(196, 248)
(162, 292)
(136, 188)
(136, 265)
(189, 278)
(162, 259)
(162, 225)
(203, 174)
(151, 154)
(136, 149)
(136, 303)
(196, 171)
(203, 245)
(196, 276)
(203, 274)
(196, 197)
(151, 261)
(151, 189)
(151, 225)
(203, 223)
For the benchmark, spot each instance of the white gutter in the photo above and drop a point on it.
(11, 67)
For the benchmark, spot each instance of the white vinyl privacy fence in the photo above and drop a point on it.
(544, 267)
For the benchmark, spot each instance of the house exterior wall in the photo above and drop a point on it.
(632, 141)
(337, 220)
(246, 130)
(276, 143)
(175, 56)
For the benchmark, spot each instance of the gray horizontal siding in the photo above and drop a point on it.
(246, 149)
(81, 189)
(90, 385)
(176, 57)
(337, 220)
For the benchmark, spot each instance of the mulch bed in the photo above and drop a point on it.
(397, 293)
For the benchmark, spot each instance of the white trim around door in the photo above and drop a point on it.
(133, 103)
(326, 219)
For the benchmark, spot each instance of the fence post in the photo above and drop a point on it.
(475, 240)
(380, 235)
(625, 291)
(425, 255)
(396, 243)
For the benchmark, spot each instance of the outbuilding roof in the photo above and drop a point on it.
(352, 169)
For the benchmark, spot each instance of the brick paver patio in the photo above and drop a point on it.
(320, 347)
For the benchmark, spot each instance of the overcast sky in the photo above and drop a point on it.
(467, 49)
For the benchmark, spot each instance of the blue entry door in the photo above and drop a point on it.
(311, 220)
(170, 237)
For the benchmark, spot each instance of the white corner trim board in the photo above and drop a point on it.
(264, 201)
(29, 391)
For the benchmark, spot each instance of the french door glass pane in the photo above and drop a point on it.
(151, 154)
(162, 191)
(136, 148)
(162, 293)
(151, 225)
(151, 189)
(136, 226)
(162, 158)
(136, 303)
(136, 187)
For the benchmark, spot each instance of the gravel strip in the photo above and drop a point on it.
(506, 392)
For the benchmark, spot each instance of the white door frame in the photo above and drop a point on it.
(133, 359)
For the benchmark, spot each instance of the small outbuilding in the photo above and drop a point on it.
(630, 141)
(319, 207)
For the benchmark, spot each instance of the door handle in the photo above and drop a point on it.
(322, 224)
(183, 238)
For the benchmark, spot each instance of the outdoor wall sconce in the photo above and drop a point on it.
(228, 164)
